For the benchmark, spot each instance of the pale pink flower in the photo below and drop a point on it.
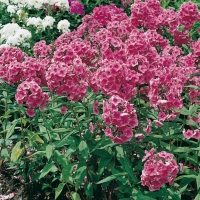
(30, 112)
(63, 110)
(159, 168)
(95, 108)
(181, 167)
(196, 134)
(188, 133)
(158, 123)
(10, 196)
(91, 127)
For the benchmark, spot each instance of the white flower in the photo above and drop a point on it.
(5, 1)
(63, 3)
(35, 21)
(13, 34)
(63, 26)
(12, 9)
(7, 30)
(48, 21)
(12, 41)
(22, 34)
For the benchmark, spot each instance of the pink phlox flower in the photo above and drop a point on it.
(9, 196)
(181, 167)
(159, 168)
(91, 127)
(63, 110)
(95, 108)
(147, 154)
(158, 123)
(188, 133)
(149, 125)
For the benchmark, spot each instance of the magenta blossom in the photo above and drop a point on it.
(63, 110)
(159, 168)
(76, 8)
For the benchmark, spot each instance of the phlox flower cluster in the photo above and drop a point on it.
(30, 92)
(76, 7)
(120, 117)
(41, 23)
(159, 168)
(17, 67)
(12, 9)
(131, 57)
(42, 51)
(68, 74)
(192, 133)
(63, 25)
(188, 134)
(13, 34)
(39, 4)
(11, 64)
(126, 2)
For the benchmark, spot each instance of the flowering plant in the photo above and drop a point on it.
(101, 95)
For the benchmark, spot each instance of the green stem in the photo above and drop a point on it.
(78, 123)
(44, 120)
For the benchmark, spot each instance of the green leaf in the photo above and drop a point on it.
(112, 177)
(80, 174)
(194, 74)
(59, 189)
(61, 159)
(66, 175)
(63, 140)
(173, 195)
(193, 109)
(11, 129)
(193, 87)
(160, 193)
(197, 197)
(75, 196)
(184, 111)
(198, 181)
(102, 164)
(181, 149)
(47, 168)
(60, 130)
(71, 149)
(182, 190)
(125, 163)
(49, 151)
(142, 197)
(4, 153)
(88, 189)
(137, 194)
(185, 181)
(83, 148)
(34, 137)
(42, 129)
(102, 153)
(93, 176)
(16, 152)
(186, 176)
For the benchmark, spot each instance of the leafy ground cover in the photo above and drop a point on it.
(100, 101)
